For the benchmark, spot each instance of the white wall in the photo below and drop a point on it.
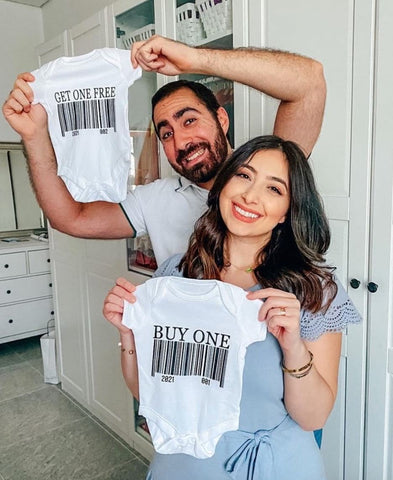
(21, 30)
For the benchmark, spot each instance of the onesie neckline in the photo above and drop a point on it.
(176, 286)
(80, 58)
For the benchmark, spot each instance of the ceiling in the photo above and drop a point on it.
(33, 3)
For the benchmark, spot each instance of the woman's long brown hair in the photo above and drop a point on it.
(293, 260)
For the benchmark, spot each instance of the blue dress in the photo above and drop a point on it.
(269, 444)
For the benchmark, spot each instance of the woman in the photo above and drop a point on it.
(265, 231)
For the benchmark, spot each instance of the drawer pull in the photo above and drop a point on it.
(50, 285)
(8, 292)
(6, 265)
(10, 320)
(48, 260)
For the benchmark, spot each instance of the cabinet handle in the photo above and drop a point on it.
(6, 265)
(50, 284)
(355, 283)
(48, 260)
(10, 320)
(372, 287)
(8, 292)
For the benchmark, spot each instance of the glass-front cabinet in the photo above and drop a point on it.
(199, 23)
(196, 23)
(208, 23)
(131, 25)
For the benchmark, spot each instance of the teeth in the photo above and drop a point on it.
(244, 213)
(195, 155)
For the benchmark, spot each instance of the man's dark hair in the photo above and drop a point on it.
(205, 95)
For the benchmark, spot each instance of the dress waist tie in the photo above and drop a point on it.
(254, 459)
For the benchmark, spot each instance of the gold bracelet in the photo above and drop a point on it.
(122, 349)
(301, 375)
(299, 372)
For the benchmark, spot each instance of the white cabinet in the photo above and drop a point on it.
(352, 162)
(25, 289)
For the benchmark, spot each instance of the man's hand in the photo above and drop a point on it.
(162, 55)
(26, 119)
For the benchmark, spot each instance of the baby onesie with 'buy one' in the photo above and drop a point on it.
(191, 338)
(86, 99)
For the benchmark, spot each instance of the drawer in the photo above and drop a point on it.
(39, 261)
(25, 317)
(19, 289)
(12, 264)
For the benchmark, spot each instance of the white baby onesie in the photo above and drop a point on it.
(191, 338)
(86, 99)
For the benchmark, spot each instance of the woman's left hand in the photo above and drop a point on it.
(281, 312)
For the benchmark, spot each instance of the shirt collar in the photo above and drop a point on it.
(184, 183)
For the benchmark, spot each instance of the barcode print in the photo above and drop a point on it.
(185, 358)
(87, 114)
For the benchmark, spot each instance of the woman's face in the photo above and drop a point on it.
(257, 198)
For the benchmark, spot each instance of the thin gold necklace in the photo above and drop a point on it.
(244, 269)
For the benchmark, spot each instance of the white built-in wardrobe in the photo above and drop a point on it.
(353, 163)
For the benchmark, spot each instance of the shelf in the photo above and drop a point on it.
(218, 41)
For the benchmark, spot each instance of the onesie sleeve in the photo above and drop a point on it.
(339, 315)
(134, 314)
(131, 74)
(254, 330)
(38, 86)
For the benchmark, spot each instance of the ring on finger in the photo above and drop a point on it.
(283, 311)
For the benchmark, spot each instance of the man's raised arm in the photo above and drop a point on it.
(88, 220)
(297, 81)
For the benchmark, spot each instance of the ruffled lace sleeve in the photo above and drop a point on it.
(339, 315)
(169, 268)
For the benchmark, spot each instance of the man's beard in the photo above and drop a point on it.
(204, 171)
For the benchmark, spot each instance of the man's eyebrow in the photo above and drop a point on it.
(184, 110)
(176, 116)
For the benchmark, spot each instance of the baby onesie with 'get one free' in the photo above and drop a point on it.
(86, 99)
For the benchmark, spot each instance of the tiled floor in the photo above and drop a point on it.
(44, 435)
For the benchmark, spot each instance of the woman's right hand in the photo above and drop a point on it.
(114, 303)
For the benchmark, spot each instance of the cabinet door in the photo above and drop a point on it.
(52, 49)
(70, 314)
(89, 34)
(109, 393)
(299, 27)
(379, 418)
(130, 23)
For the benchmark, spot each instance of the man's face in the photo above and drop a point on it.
(193, 140)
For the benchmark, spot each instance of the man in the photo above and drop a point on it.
(193, 134)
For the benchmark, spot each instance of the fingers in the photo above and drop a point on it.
(21, 96)
(147, 55)
(124, 289)
(268, 292)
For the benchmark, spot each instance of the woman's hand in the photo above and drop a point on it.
(114, 303)
(281, 312)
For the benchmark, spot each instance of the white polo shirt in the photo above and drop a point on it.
(166, 210)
